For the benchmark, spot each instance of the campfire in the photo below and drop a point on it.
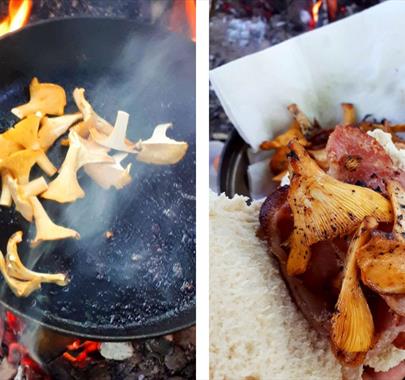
(15, 356)
(18, 15)
(54, 358)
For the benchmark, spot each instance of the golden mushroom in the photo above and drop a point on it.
(45, 98)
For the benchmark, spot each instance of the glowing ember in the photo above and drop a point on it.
(18, 15)
(11, 329)
(315, 12)
(183, 14)
(81, 358)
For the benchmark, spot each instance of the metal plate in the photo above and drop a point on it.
(142, 281)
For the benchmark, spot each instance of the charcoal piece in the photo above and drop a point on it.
(61, 369)
(151, 366)
(99, 371)
(125, 368)
(176, 359)
(189, 371)
(160, 346)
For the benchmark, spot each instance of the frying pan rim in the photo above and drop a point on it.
(104, 338)
(144, 24)
(190, 314)
(233, 145)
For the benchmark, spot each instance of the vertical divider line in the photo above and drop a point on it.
(202, 190)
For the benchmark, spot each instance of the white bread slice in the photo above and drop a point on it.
(256, 331)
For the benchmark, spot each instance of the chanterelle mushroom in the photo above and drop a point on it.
(46, 229)
(25, 133)
(19, 164)
(8, 147)
(65, 187)
(324, 208)
(349, 114)
(19, 288)
(110, 174)
(16, 269)
(54, 127)
(21, 193)
(294, 132)
(21, 280)
(382, 264)
(90, 117)
(352, 324)
(382, 259)
(397, 197)
(160, 149)
(308, 128)
(117, 138)
(5, 199)
(46, 98)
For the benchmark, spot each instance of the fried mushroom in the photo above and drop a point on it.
(397, 197)
(65, 187)
(109, 175)
(382, 259)
(25, 133)
(20, 163)
(21, 193)
(117, 138)
(16, 269)
(160, 149)
(324, 208)
(54, 127)
(349, 114)
(46, 229)
(308, 128)
(90, 117)
(5, 198)
(45, 98)
(352, 328)
(20, 279)
(294, 132)
(8, 147)
(382, 264)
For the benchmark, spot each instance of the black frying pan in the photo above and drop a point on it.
(233, 178)
(142, 281)
(233, 167)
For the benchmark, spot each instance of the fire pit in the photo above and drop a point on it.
(30, 350)
(61, 357)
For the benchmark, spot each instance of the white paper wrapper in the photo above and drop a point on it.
(360, 60)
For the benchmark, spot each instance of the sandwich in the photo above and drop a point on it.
(328, 302)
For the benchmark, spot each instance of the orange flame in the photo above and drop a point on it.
(332, 8)
(315, 11)
(18, 15)
(190, 12)
(183, 10)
